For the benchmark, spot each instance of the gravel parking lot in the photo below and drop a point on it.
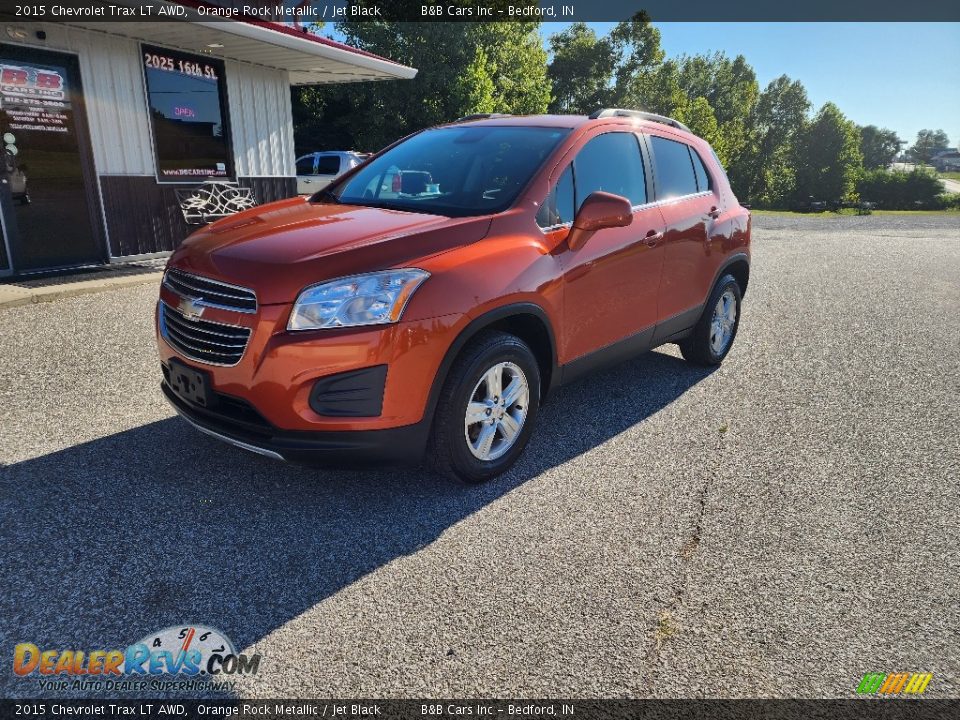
(778, 527)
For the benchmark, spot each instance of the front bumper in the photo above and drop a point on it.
(236, 422)
(284, 375)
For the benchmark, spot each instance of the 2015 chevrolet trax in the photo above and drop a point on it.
(433, 296)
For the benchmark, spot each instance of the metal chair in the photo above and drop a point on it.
(213, 200)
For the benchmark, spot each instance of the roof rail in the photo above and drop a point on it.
(640, 115)
(482, 116)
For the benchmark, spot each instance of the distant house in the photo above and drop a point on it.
(946, 160)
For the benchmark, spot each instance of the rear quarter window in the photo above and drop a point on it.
(700, 170)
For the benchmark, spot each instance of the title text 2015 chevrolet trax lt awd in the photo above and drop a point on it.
(433, 296)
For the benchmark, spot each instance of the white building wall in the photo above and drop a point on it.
(261, 122)
(116, 104)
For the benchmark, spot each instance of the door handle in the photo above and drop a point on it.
(713, 214)
(652, 238)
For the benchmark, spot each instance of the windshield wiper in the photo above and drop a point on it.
(326, 194)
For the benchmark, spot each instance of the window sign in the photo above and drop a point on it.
(187, 101)
(34, 98)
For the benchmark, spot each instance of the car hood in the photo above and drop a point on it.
(280, 248)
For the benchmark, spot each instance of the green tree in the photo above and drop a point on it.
(462, 68)
(517, 66)
(636, 46)
(474, 86)
(928, 144)
(581, 70)
(898, 190)
(730, 87)
(590, 72)
(879, 146)
(658, 90)
(699, 116)
(763, 172)
(826, 156)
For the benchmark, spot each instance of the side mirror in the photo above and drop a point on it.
(600, 210)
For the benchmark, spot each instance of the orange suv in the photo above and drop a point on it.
(435, 295)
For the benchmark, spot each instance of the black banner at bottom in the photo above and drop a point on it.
(893, 709)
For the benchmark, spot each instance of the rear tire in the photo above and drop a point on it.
(487, 408)
(713, 335)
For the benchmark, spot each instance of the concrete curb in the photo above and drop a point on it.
(15, 295)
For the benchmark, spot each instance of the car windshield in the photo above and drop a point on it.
(453, 171)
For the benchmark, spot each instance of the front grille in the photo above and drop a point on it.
(203, 340)
(211, 292)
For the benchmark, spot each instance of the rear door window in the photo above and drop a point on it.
(675, 175)
(557, 209)
(611, 163)
(328, 165)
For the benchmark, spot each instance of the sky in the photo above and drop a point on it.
(902, 76)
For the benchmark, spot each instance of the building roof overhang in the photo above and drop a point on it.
(309, 59)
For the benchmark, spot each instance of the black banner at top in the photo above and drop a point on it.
(482, 709)
(302, 13)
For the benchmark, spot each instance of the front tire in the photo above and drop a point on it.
(713, 335)
(487, 408)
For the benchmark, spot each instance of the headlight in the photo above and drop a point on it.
(373, 299)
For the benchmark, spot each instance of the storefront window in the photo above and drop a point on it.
(187, 101)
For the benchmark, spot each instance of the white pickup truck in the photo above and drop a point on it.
(318, 169)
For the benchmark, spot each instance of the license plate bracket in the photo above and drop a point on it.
(190, 384)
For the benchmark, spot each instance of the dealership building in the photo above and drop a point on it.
(108, 127)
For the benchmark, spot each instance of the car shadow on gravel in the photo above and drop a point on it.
(160, 525)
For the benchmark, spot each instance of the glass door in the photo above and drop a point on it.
(47, 182)
(4, 255)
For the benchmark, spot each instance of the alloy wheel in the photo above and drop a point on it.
(723, 321)
(496, 411)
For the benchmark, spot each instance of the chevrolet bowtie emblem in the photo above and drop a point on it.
(191, 309)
